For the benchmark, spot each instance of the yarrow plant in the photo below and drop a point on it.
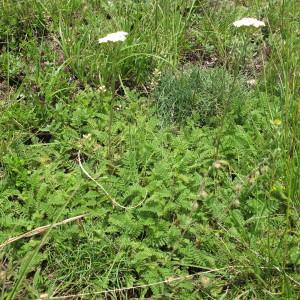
(241, 54)
(248, 26)
(119, 36)
(248, 22)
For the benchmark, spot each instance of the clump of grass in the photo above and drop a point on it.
(19, 21)
(200, 93)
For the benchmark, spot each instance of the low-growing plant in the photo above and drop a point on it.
(201, 93)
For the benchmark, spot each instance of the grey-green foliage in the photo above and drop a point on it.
(199, 92)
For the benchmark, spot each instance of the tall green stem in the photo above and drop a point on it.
(111, 115)
(241, 60)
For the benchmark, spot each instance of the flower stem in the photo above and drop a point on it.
(111, 115)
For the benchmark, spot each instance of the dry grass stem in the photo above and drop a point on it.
(39, 230)
(114, 202)
(166, 281)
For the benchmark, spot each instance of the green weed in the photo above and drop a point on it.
(198, 92)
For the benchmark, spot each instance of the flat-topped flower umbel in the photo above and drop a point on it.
(119, 36)
(249, 22)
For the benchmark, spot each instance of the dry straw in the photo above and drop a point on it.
(114, 202)
(39, 230)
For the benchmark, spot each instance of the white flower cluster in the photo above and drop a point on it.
(119, 36)
(249, 22)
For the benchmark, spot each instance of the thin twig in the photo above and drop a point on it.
(166, 281)
(39, 230)
(104, 190)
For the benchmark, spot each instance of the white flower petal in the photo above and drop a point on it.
(249, 22)
(119, 36)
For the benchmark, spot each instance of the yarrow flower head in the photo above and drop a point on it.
(249, 22)
(119, 36)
